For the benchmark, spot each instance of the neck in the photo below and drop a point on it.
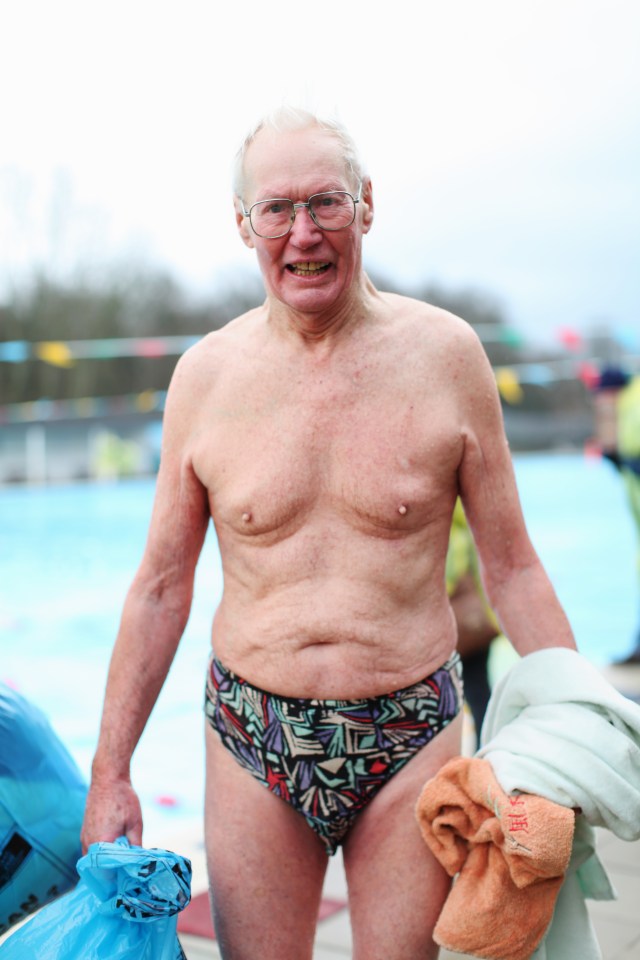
(325, 326)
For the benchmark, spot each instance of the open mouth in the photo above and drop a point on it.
(311, 269)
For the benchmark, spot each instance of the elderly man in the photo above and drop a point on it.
(327, 433)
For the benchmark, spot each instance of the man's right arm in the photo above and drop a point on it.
(154, 616)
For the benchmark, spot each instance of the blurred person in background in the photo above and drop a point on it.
(617, 416)
(476, 623)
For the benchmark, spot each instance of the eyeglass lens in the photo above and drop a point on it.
(331, 211)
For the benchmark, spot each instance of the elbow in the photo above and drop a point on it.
(501, 577)
(164, 594)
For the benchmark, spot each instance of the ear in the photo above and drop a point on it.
(242, 222)
(366, 203)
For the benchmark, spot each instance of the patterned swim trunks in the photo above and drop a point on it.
(329, 758)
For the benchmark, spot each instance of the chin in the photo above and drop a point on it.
(309, 301)
(311, 296)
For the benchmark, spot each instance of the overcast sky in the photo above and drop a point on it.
(502, 137)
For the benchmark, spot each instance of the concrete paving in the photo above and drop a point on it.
(617, 923)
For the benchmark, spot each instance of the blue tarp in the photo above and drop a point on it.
(42, 799)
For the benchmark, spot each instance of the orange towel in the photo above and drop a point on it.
(510, 854)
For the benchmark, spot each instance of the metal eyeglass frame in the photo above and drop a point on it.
(307, 204)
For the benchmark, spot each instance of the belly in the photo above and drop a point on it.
(346, 634)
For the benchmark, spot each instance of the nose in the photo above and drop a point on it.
(304, 232)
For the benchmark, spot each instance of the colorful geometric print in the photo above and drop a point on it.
(328, 758)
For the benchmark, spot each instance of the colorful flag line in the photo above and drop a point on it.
(64, 353)
(512, 378)
(148, 401)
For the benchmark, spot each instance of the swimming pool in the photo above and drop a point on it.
(68, 553)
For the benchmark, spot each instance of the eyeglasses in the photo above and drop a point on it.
(333, 210)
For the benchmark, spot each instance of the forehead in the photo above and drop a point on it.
(294, 161)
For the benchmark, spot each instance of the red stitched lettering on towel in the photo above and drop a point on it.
(518, 820)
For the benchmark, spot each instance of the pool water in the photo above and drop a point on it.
(68, 553)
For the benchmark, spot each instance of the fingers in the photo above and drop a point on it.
(112, 810)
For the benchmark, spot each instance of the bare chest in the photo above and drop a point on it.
(377, 456)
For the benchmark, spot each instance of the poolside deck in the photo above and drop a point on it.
(617, 923)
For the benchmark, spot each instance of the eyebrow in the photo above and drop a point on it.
(330, 187)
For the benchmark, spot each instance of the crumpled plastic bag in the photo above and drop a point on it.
(42, 800)
(125, 907)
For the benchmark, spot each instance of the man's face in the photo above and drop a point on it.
(309, 269)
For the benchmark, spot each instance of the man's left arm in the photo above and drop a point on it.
(517, 585)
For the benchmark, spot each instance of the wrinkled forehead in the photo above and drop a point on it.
(280, 163)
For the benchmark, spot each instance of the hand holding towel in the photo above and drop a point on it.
(510, 853)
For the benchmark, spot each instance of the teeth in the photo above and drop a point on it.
(311, 267)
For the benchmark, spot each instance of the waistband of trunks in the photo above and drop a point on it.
(217, 672)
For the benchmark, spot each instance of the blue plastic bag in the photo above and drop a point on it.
(125, 907)
(42, 800)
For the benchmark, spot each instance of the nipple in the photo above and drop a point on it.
(402, 509)
(246, 517)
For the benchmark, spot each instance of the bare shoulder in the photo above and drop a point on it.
(215, 347)
(198, 368)
(426, 317)
(433, 330)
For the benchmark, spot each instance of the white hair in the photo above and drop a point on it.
(288, 118)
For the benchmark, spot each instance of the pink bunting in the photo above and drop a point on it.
(151, 348)
(569, 337)
(589, 374)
